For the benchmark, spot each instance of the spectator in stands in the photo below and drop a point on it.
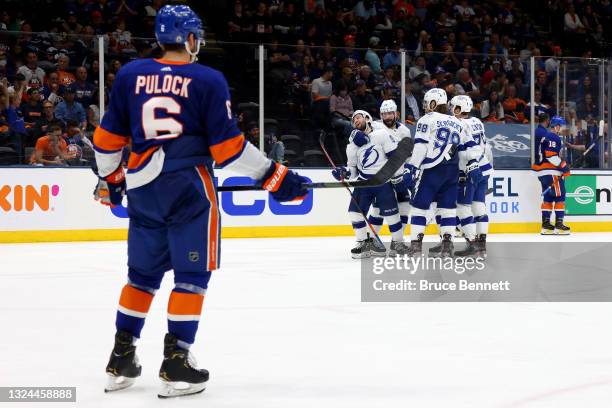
(412, 105)
(84, 91)
(121, 39)
(539, 107)
(465, 85)
(371, 57)
(321, 92)
(587, 107)
(33, 74)
(276, 149)
(32, 109)
(514, 107)
(572, 22)
(341, 109)
(70, 109)
(53, 89)
(393, 57)
(63, 64)
(47, 118)
(51, 150)
(347, 79)
(449, 61)
(261, 23)
(348, 56)
(365, 74)
(286, 23)
(491, 109)
(12, 127)
(418, 68)
(362, 99)
(238, 24)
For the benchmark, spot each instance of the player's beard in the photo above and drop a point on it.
(389, 122)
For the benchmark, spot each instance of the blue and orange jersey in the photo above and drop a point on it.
(173, 114)
(547, 156)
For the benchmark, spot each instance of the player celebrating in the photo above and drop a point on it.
(551, 170)
(388, 133)
(471, 208)
(177, 116)
(364, 159)
(440, 140)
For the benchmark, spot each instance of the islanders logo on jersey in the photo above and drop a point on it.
(370, 157)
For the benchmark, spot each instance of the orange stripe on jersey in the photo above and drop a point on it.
(557, 186)
(559, 206)
(227, 149)
(213, 218)
(185, 303)
(547, 206)
(108, 140)
(137, 159)
(135, 299)
(550, 153)
(544, 166)
(171, 62)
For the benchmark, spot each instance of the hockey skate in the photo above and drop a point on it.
(447, 246)
(561, 229)
(123, 366)
(376, 247)
(398, 248)
(481, 246)
(547, 228)
(470, 249)
(361, 250)
(459, 233)
(435, 250)
(178, 371)
(416, 246)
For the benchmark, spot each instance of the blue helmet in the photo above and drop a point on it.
(557, 121)
(173, 24)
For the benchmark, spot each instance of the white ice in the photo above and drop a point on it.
(283, 327)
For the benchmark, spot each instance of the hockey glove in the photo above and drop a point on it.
(565, 168)
(341, 173)
(283, 184)
(111, 189)
(474, 174)
(410, 177)
(359, 138)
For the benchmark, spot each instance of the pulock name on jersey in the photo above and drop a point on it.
(174, 84)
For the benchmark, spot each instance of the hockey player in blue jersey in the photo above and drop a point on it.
(551, 170)
(364, 159)
(176, 116)
(433, 171)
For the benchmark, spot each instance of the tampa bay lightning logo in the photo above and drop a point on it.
(370, 157)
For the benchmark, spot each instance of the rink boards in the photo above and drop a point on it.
(56, 204)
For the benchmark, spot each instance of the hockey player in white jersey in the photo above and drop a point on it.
(471, 209)
(433, 170)
(387, 133)
(365, 159)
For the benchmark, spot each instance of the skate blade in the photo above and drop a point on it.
(378, 254)
(178, 389)
(559, 232)
(547, 232)
(118, 383)
(360, 256)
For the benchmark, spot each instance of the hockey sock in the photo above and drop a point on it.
(359, 225)
(418, 222)
(404, 210)
(559, 211)
(448, 220)
(185, 308)
(395, 226)
(480, 217)
(546, 211)
(134, 305)
(466, 221)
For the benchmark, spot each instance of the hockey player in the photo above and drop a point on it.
(551, 170)
(364, 159)
(176, 115)
(440, 140)
(387, 133)
(471, 209)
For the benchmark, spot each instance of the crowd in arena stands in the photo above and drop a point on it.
(324, 59)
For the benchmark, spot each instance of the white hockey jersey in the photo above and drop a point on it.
(365, 161)
(438, 138)
(476, 131)
(388, 138)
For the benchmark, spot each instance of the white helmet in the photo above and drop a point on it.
(436, 95)
(388, 106)
(462, 101)
(366, 116)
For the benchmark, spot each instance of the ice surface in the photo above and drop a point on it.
(283, 326)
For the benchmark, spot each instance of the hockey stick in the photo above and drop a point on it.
(353, 199)
(402, 152)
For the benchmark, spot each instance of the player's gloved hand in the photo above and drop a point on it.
(462, 178)
(565, 168)
(474, 174)
(341, 173)
(283, 184)
(410, 177)
(359, 138)
(111, 189)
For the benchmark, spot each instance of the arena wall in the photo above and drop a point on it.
(56, 204)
